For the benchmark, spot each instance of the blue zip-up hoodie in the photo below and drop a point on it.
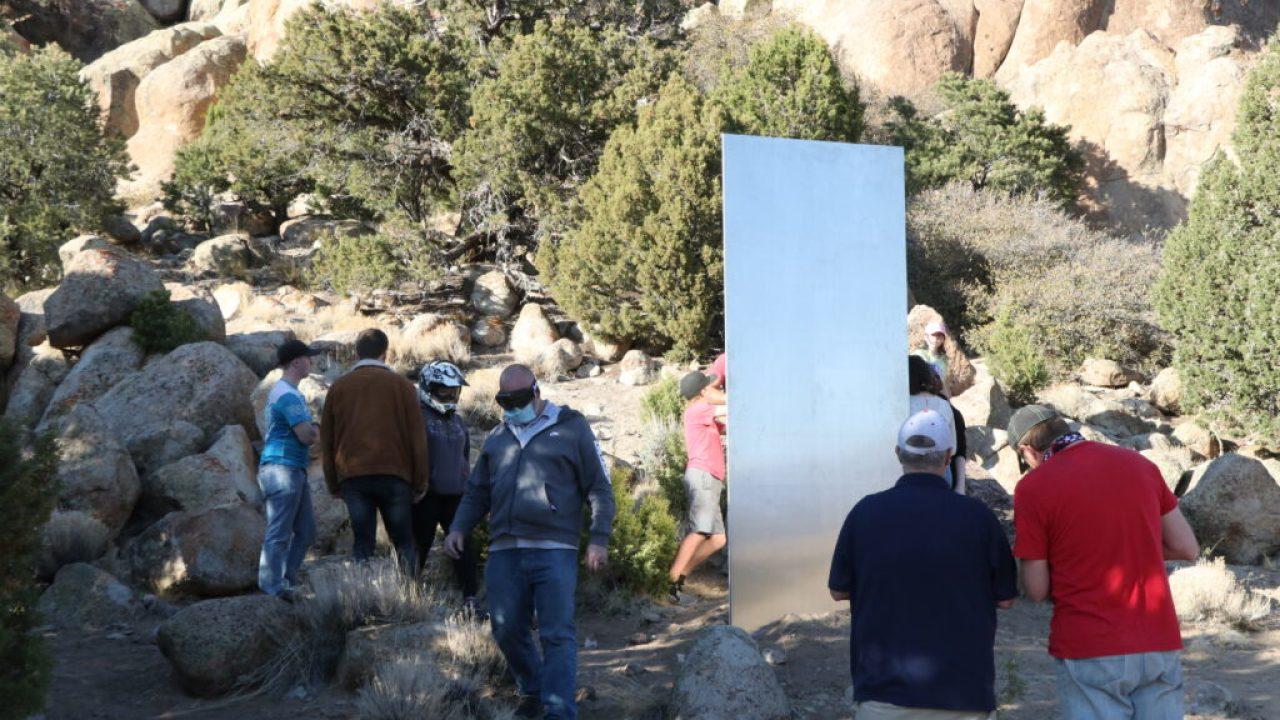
(536, 492)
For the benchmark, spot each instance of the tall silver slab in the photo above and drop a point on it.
(815, 288)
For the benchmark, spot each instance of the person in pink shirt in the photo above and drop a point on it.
(703, 477)
(719, 368)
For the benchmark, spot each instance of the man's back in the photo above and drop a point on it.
(925, 568)
(1094, 512)
(372, 426)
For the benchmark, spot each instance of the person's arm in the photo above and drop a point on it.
(715, 396)
(298, 415)
(1179, 539)
(1035, 579)
(962, 450)
(593, 479)
(416, 431)
(840, 579)
(475, 500)
(1004, 570)
(328, 428)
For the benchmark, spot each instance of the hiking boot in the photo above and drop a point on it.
(530, 707)
(675, 591)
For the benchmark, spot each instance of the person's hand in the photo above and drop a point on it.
(597, 557)
(453, 543)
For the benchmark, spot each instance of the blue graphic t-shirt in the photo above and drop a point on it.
(286, 407)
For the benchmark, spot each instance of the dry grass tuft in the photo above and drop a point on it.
(476, 404)
(354, 594)
(428, 338)
(413, 686)
(1209, 591)
(472, 649)
(70, 536)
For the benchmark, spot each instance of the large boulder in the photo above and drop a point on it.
(225, 473)
(84, 28)
(201, 385)
(1166, 390)
(1175, 463)
(216, 646)
(100, 288)
(637, 368)
(1147, 116)
(725, 678)
(312, 387)
(10, 314)
(1106, 373)
(206, 553)
(232, 298)
(172, 101)
(225, 256)
(994, 495)
(257, 348)
(561, 359)
(985, 402)
(30, 334)
(1044, 24)
(1200, 440)
(997, 23)
(33, 382)
(333, 522)
(901, 47)
(493, 295)
(114, 77)
(210, 9)
(202, 307)
(532, 334)
(489, 332)
(95, 473)
(108, 360)
(1234, 506)
(166, 10)
(1118, 419)
(83, 597)
(74, 246)
(960, 371)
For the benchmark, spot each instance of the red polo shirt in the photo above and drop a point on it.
(1093, 511)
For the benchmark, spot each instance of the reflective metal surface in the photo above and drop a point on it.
(815, 276)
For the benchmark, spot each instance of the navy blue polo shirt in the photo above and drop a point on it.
(924, 568)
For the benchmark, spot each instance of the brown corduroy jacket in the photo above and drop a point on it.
(371, 425)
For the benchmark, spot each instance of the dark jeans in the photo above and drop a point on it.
(367, 496)
(519, 583)
(437, 511)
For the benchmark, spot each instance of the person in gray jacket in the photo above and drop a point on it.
(534, 473)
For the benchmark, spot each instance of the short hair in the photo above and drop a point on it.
(1042, 435)
(921, 377)
(926, 461)
(371, 344)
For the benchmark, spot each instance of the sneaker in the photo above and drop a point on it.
(530, 707)
(675, 591)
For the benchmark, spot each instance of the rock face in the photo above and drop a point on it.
(95, 473)
(10, 314)
(107, 361)
(198, 388)
(72, 247)
(214, 645)
(172, 101)
(1106, 373)
(493, 295)
(165, 10)
(997, 22)
(1234, 506)
(899, 46)
(725, 678)
(1043, 24)
(1147, 115)
(532, 334)
(258, 348)
(85, 28)
(100, 288)
(82, 596)
(116, 75)
(225, 473)
(985, 402)
(33, 382)
(205, 553)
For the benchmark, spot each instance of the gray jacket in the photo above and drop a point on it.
(536, 492)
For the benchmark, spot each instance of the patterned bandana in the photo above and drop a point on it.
(1061, 444)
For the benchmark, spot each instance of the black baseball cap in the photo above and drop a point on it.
(292, 350)
(693, 383)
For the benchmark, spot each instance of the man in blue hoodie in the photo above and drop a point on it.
(534, 473)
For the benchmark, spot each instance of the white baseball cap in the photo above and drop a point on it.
(925, 432)
(935, 328)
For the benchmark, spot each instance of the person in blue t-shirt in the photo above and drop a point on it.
(282, 475)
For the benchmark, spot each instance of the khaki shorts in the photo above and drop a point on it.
(885, 711)
(704, 492)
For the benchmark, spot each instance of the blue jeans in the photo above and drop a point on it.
(521, 582)
(1142, 686)
(291, 525)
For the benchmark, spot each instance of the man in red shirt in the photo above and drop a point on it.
(703, 478)
(1095, 524)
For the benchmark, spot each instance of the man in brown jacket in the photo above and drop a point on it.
(375, 449)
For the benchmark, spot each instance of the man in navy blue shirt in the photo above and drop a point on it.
(924, 570)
